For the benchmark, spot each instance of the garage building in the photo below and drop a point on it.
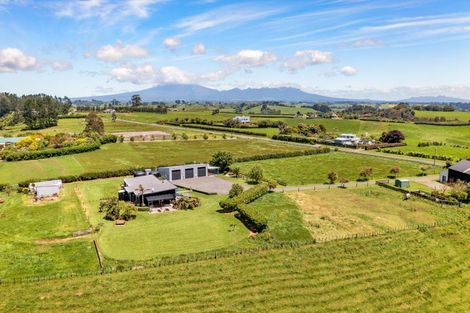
(185, 171)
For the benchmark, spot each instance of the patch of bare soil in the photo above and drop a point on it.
(53, 241)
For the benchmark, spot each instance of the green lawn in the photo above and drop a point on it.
(156, 235)
(26, 230)
(339, 212)
(314, 169)
(285, 221)
(138, 154)
(401, 272)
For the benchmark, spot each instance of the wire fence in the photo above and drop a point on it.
(120, 266)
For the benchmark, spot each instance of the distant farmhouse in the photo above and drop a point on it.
(242, 119)
(148, 190)
(458, 171)
(46, 189)
(5, 141)
(186, 171)
(347, 140)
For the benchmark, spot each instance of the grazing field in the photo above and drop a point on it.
(402, 272)
(331, 213)
(456, 115)
(314, 169)
(137, 154)
(291, 109)
(285, 222)
(156, 235)
(30, 235)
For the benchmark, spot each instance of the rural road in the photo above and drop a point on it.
(345, 150)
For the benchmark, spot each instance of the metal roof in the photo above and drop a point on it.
(181, 167)
(150, 183)
(48, 183)
(462, 167)
(47, 191)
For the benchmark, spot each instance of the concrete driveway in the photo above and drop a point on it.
(208, 184)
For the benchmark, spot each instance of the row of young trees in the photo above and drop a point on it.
(36, 111)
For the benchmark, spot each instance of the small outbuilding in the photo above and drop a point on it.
(242, 119)
(46, 189)
(402, 183)
(459, 171)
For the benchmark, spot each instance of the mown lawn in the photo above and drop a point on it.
(340, 212)
(26, 231)
(285, 221)
(156, 235)
(137, 154)
(402, 272)
(314, 169)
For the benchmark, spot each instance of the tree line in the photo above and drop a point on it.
(36, 111)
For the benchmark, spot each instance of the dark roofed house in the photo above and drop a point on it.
(458, 171)
(156, 192)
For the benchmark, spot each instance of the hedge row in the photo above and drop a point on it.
(87, 176)
(281, 155)
(227, 129)
(299, 139)
(49, 153)
(252, 218)
(232, 204)
(418, 154)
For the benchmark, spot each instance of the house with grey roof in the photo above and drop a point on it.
(147, 190)
(458, 171)
(46, 189)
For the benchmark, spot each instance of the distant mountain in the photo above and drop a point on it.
(172, 92)
(435, 99)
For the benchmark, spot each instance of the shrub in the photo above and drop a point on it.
(117, 210)
(332, 177)
(256, 174)
(189, 203)
(235, 190)
(393, 136)
(222, 159)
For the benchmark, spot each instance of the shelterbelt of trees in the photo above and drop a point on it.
(36, 111)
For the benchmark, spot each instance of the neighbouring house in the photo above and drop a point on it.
(46, 189)
(186, 171)
(148, 190)
(347, 140)
(6, 141)
(110, 111)
(242, 119)
(458, 171)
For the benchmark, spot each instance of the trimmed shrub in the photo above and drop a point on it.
(231, 204)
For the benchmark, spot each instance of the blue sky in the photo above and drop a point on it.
(381, 49)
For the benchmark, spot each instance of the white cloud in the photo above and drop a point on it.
(248, 58)
(13, 60)
(348, 70)
(108, 10)
(305, 58)
(61, 65)
(228, 16)
(118, 51)
(199, 49)
(419, 22)
(149, 75)
(366, 42)
(172, 42)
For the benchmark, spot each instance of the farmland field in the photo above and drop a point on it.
(411, 271)
(291, 109)
(315, 168)
(333, 213)
(28, 231)
(137, 154)
(456, 115)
